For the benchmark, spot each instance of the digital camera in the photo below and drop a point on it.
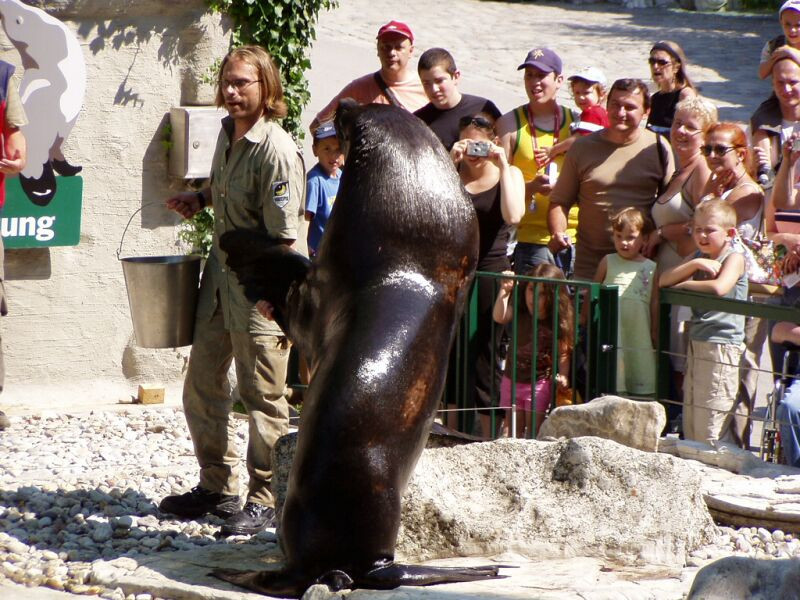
(477, 148)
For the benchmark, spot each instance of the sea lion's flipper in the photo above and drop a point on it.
(283, 584)
(266, 268)
(392, 575)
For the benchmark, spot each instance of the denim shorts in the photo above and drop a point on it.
(527, 255)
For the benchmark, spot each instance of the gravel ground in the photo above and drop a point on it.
(75, 488)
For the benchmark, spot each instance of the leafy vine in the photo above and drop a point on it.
(286, 28)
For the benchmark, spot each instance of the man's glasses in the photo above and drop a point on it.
(237, 84)
(481, 122)
(716, 149)
(658, 62)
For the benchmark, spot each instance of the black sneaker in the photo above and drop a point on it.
(199, 502)
(250, 520)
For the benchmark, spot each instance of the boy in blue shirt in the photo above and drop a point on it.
(322, 183)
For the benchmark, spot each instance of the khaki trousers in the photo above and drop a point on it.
(709, 389)
(261, 364)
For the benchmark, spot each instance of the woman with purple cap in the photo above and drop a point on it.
(668, 69)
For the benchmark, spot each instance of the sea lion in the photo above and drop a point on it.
(376, 314)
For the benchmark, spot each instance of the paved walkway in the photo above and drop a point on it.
(490, 39)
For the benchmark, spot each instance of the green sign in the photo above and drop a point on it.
(26, 225)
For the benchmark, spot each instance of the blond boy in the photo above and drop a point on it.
(715, 337)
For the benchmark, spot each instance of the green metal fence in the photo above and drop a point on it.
(592, 364)
(672, 297)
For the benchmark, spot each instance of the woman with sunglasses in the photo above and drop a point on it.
(497, 190)
(728, 156)
(668, 70)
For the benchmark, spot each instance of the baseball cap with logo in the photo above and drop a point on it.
(396, 27)
(543, 59)
(325, 130)
(590, 74)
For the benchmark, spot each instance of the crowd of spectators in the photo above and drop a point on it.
(630, 187)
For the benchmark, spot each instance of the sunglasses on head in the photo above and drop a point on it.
(658, 62)
(481, 122)
(716, 149)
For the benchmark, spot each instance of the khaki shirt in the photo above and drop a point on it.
(257, 183)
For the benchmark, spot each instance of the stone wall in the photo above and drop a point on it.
(69, 320)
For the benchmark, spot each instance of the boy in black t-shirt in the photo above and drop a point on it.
(439, 76)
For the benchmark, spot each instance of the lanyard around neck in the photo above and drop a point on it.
(556, 126)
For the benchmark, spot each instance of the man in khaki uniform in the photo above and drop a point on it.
(12, 161)
(257, 183)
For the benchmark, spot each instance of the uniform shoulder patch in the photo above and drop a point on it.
(280, 193)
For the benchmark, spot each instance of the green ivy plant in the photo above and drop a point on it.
(286, 28)
(197, 232)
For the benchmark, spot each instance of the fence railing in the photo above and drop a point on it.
(592, 369)
(671, 297)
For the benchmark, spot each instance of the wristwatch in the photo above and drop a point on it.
(660, 232)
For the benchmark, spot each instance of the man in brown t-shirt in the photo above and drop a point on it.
(620, 166)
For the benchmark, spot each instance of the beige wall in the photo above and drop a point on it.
(69, 319)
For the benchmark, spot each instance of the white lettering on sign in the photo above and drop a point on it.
(40, 229)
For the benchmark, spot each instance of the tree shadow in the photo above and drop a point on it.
(727, 45)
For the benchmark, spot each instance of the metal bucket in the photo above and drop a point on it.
(162, 296)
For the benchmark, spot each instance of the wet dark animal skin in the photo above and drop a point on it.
(376, 314)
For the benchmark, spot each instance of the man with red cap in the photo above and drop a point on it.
(395, 83)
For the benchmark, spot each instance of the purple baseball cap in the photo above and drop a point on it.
(543, 59)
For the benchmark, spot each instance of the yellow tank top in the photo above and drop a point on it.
(532, 229)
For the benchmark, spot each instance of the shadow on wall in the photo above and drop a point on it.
(117, 33)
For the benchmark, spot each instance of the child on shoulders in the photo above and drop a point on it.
(322, 183)
(635, 277)
(588, 89)
(715, 337)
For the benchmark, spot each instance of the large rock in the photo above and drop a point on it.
(742, 578)
(629, 422)
(582, 497)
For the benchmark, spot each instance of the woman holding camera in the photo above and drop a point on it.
(497, 190)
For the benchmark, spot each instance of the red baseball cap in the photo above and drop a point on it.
(396, 27)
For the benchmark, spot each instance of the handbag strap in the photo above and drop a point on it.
(386, 91)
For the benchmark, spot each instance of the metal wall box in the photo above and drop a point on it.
(194, 137)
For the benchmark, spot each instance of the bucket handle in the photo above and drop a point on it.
(136, 212)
